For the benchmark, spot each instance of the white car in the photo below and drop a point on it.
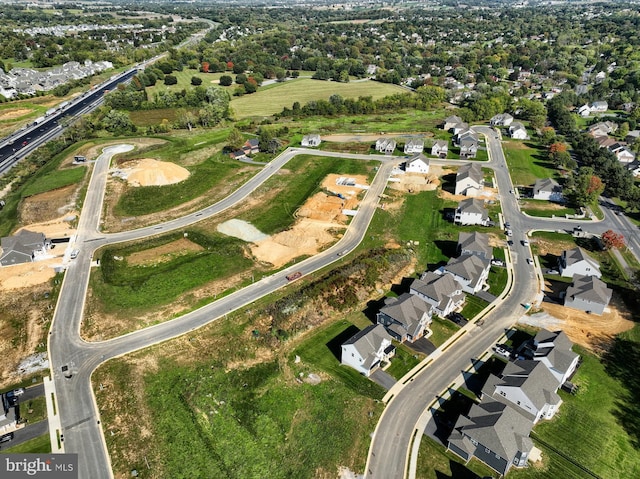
(529, 261)
(505, 353)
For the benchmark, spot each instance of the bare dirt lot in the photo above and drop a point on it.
(317, 221)
(351, 137)
(13, 113)
(48, 206)
(150, 172)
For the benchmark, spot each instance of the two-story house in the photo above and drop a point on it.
(368, 349)
(414, 147)
(405, 318)
(440, 149)
(471, 212)
(501, 119)
(470, 271)
(475, 243)
(442, 292)
(547, 189)
(469, 180)
(577, 261)
(417, 165)
(588, 293)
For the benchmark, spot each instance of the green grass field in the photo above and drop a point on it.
(540, 208)
(442, 329)
(54, 180)
(527, 163)
(271, 100)
(473, 306)
(38, 445)
(153, 117)
(497, 280)
(404, 361)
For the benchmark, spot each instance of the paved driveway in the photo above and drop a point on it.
(422, 345)
(383, 379)
(486, 295)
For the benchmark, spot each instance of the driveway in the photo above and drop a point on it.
(486, 295)
(30, 431)
(383, 379)
(422, 345)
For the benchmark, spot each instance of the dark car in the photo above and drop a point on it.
(6, 437)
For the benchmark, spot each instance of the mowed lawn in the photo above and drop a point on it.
(273, 98)
(527, 162)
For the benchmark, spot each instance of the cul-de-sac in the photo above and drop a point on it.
(314, 239)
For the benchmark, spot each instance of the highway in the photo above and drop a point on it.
(74, 396)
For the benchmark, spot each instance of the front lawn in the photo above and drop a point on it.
(473, 306)
(527, 162)
(404, 361)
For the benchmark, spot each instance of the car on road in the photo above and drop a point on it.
(294, 276)
(74, 254)
(6, 437)
(525, 242)
(509, 233)
(529, 261)
(507, 224)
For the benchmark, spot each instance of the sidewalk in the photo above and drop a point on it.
(55, 427)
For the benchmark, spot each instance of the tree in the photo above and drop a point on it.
(611, 239)
(547, 135)
(118, 122)
(186, 119)
(196, 81)
(235, 140)
(585, 186)
(205, 67)
(226, 80)
(170, 80)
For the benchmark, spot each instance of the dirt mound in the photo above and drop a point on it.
(150, 172)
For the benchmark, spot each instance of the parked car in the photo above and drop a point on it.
(502, 351)
(6, 437)
(75, 253)
(529, 261)
(507, 225)
(525, 242)
(509, 233)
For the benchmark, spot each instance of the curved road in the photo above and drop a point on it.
(74, 396)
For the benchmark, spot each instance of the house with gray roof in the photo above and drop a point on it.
(493, 433)
(554, 350)
(501, 119)
(547, 189)
(475, 243)
(577, 261)
(451, 121)
(414, 146)
(469, 270)
(417, 164)
(440, 149)
(518, 131)
(368, 349)
(406, 317)
(528, 386)
(588, 293)
(469, 180)
(23, 247)
(471, 212)
(468, 148)
(442, 292)
(386, 145)
(460, 128)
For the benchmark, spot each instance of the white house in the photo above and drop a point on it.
(547, 189)
(417, 165)
(368, 349)
(554, 350)
(470, 271)
(588, 293)
(469, 180)
(475, 243)
(451, 121)
(385, 145)
(584, 110)
(459, 128)
(577, 261)
(502, 119)
(406, 317)
(440, 149)
(517, 131)
(471, 212)
(599, 107)
(311, 140)
(413, 147)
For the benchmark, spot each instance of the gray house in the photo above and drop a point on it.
(367, 349)
(547, 189)
(469, 179)
(406, 317)
(588, 293)
(440, 149)
(528, 386)
(442, 292)
(554, 350)
(493, 433)
(451, 121)
(471, 212)
(475, 243)
(502, 119)
(470, 271)
(577, 261)
(23, 247)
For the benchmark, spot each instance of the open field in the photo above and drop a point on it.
(57, 179)
(545, 209)
(272, 100)
(527, 162)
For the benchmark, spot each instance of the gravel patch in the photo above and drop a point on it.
(35, 362)
(241, 229)
(541, 320)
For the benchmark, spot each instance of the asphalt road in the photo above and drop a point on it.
(76, 406)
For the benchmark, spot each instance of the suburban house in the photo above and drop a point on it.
(451, 121)
(547, 189)
(493, 433)
(577, 261)
(251, 146)
(469, 180)
(385, 145)
(238, 155)
(584, 111)
(459, 128)
(468, 148)
(442, 292)
(417, 165)
(471, 212)
(23, 247)
(517, 131)
(8, 415)
(554, 350)
(623, 154)
(632, 136)
(602, 128)
(470, 271)
(502, 119)
(475, 243)
(405, 318)
(413, 147)
(599, 107)
(528, 386)
(440, 149)
(311, 140)
(588, 293)
(368, 349)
